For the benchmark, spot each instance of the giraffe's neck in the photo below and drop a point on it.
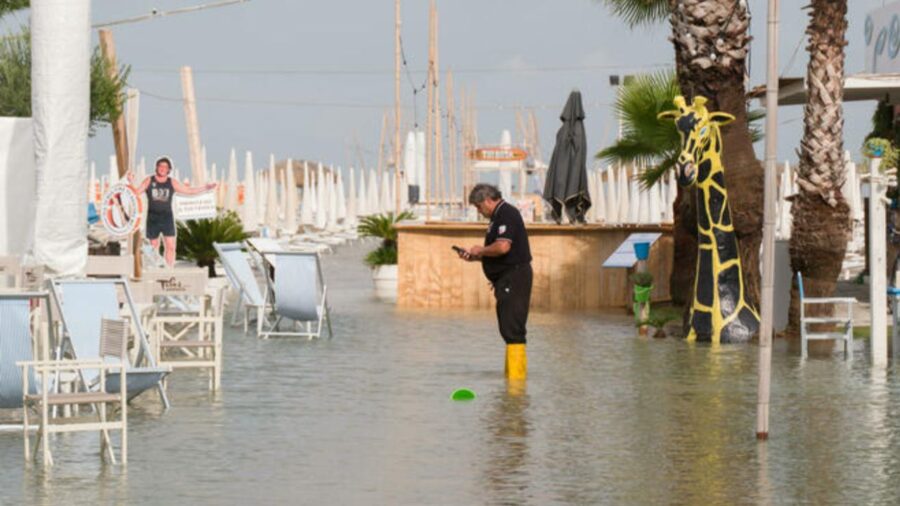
(719, 301)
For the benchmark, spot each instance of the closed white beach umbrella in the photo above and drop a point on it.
(306, 212)
(420, 164)
(321, 209)
(612, 201)
(653, 198)
(409, 158)
(350, 220)
(362, 196)
(231, 191)
(784, 220)
(374, 205)
(634, 198)
(204, 164)
(262, 191)
(341, 197)
(332, 224)
(113, 177)
(249, 209)
(272, 196)
(600, 196)
(290, 201)
(624, 195)
(384, 202)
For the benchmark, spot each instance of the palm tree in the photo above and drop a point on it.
(657, 144)
(646, 139)
(821, 215)
(712, 40)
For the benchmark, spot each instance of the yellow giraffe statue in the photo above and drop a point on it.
(720, 312)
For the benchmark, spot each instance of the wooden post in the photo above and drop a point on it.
(429, 147)
(877, 263)
(397, 62)
(193, 130)
(768, 260)
(381, 145)
(451, 141)
(120, 140)
(438, 141)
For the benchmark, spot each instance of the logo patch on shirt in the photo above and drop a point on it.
(501, 230)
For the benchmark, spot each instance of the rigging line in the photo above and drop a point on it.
(412, 84)
(793, 55)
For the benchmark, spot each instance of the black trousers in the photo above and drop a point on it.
(513, 293)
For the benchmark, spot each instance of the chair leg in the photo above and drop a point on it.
(802, 342)
(25, 428)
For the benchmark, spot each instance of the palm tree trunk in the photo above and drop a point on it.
(821, 215)
(711, 41)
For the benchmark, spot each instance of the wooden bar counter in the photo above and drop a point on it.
(567, 263)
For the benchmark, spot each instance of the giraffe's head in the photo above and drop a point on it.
(697, 128)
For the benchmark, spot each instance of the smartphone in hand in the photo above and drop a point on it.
(459, 250)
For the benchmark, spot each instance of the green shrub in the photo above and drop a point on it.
(382, 227)
(642, 279)
(196, 238)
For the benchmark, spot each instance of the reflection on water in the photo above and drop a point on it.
(605, 418)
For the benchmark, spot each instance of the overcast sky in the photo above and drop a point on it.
(505, 49)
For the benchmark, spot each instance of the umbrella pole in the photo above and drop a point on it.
(768, 271)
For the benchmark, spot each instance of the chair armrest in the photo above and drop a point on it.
(830, 300)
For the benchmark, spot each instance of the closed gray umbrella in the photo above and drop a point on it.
(567, 184)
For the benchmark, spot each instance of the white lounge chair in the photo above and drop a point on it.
(299, 293)
(83, 304)
(240, 274)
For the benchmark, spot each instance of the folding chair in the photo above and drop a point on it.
(300, 295)
(240, 274)
(83, 304)
(113, 345)
(17, 344)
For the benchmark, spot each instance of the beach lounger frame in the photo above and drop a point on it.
(141, 377)
(284, 308)
(250, 295)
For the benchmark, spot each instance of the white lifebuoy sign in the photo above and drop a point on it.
(121, 210)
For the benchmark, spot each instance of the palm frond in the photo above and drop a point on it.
(754, 117)
(655, 174)
(639, 12)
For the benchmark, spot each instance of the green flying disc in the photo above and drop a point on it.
(463, 394)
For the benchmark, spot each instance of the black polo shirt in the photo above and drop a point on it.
(506, 225)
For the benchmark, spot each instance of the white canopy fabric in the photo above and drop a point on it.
(331, 220)
(420, 163)
(384, 200)
(60, 105)
(249, 209)
(624, 195)
(409, 158)
(599, 204)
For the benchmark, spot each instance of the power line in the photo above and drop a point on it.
(360, 71)
(158, 14)
(352, 105)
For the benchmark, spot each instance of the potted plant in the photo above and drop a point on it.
(643, 284)
(196, 238)
(383, 260)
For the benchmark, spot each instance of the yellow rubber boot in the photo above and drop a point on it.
(516, 362)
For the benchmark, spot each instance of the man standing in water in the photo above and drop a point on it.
(506, 261)
(160, 189)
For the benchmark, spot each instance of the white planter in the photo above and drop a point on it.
(385, 278)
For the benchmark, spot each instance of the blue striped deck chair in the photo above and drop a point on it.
(240, 275)
(300, 295)
(83, 304)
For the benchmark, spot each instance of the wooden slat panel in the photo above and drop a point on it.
(568, 272)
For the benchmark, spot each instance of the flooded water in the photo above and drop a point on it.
(365, 418)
